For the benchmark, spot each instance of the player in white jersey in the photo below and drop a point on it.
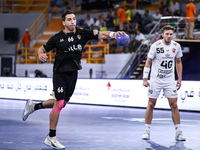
(163, 56)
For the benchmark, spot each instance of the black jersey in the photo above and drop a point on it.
(69, 47)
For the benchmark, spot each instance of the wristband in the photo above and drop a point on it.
(146, 72)
(112, 35)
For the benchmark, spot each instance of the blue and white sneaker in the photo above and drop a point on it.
(29, 109)
(146, 135)
(53, 143)
(179, 136)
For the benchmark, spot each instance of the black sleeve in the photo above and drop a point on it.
(92, 34)
(49, 45)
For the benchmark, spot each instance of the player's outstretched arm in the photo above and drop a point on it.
(41, 54)
(179, 69)
(110, 34)
(146, 71)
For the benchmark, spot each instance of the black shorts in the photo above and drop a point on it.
(64, 85)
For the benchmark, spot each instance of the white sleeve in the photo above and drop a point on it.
(152, 52)
(179, 52)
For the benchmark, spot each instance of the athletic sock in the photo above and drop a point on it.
(147, 126)
(177, 127)
(38, 106)
(52, 133)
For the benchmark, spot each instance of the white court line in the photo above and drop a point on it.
(7, 142)
(99, 140)
(27, 142)
(82, 141)
(116, 140)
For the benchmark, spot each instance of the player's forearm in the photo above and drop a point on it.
(148, 62)
(179, 69)
(40, 50)
(105, 35)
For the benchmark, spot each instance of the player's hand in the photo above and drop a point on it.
(119, 33)
(146, 83)
(178, 84)
(43, 57)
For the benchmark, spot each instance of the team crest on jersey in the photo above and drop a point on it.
(173, 50)
(95, 32)
(79, 37)
(167, 55)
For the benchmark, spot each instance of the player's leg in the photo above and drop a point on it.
(51, 140)
(148, 118)
(63, 93)
(174, 109)
(31, 106)
(170, 92)
(153, 94)
(149, 110)
(59, 88)
(176, 119)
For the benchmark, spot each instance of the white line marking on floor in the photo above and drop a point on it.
(99, 140)
(116, 140)
(8, 142)
(27, 142)
(82, 141)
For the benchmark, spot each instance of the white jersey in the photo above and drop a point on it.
(162, 69)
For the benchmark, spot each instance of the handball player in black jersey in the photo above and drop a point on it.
(69, 44)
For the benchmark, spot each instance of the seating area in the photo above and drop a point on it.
(80, 6)
(95, 51)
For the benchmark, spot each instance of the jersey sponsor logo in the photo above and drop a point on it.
(79, 36)
(173, 50)
(167, 56)
(165, 71)
(161, 76)
(61, 40)
(74, 48)
(95, 32)
(175, 44)
(70, 39)
(166, 64)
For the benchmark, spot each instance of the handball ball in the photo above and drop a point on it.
(123, 40)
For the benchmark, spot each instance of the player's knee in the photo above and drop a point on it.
(64, 104)
(59, 107)
(151, 106)
(174, 106)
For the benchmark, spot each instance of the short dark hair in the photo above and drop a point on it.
(67, 12)
(168, 27)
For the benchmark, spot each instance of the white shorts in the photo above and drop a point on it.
(169, 90)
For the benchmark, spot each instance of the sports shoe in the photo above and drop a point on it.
(29, 108)
(179, 136)
(146, 135)
(53, 143)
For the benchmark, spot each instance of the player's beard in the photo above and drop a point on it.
(70, 28)
(167, 41)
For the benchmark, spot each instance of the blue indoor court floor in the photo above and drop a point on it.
(92, 127)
